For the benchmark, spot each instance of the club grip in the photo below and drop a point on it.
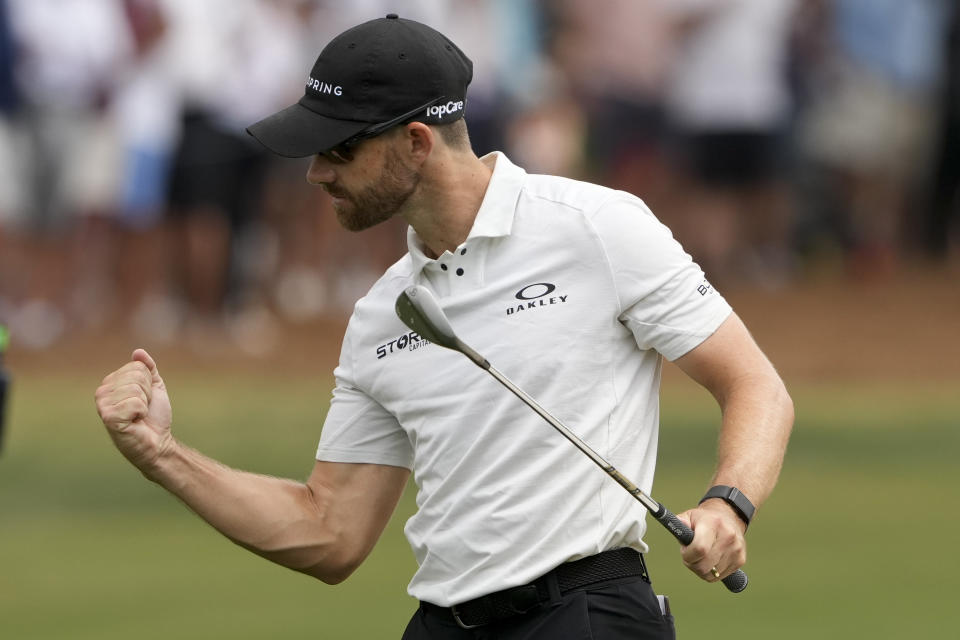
(674, 525)
(735, 582)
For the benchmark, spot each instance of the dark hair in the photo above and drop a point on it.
(454, 134)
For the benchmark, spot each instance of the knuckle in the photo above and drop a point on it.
(132, 390)
(122, 412)
(136, 390)
(700, 548)
(692, 555)
(111, 417)
(135, 404)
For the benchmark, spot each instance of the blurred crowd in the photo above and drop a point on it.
(774, 137)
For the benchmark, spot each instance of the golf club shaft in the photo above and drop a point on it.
(735, 582)
(420, 311)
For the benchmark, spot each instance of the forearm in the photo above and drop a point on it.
(324, 527)
(757, 420)
(281, 520)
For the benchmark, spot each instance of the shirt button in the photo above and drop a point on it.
(459, 272)
(443, 266)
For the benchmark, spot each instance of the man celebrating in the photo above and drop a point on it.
(574, 289)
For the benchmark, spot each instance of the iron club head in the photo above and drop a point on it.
(420, 311)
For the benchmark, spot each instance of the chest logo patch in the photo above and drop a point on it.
(534, 296)
(410, 341)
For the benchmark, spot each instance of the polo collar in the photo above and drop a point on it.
(495, 216)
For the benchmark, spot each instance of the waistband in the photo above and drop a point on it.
(570, 576)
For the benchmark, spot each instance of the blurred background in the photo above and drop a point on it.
(777, 139)
(805, 152)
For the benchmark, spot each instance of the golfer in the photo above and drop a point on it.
(576, 291)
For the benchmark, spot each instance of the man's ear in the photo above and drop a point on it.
(419, 140)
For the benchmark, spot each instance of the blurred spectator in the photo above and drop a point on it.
(8, 87)
(941, 230)
(868, 130)
(8, 106)
(729, 103)
(60, 189)
(147, 109)
(616, 55)
(130, 191)
(232, 62)
(504, 40)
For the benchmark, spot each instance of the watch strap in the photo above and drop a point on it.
(733, 497)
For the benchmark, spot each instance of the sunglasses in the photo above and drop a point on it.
(343, 152)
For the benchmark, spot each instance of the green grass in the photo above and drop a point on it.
(855, 540)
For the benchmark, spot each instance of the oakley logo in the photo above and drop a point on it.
(324, 87)
(534, 296)
(441, 110)
(534, 291)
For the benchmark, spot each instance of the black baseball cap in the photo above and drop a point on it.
(382, 72)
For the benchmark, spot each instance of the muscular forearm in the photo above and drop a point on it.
(281, 520)
(324, 527)
(756, 408)
(757, 420)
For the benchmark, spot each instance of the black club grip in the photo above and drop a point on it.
(735, 582)
(674, 525)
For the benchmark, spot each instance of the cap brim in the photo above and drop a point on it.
(298, 132)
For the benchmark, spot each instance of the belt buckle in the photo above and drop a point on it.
(460, 623)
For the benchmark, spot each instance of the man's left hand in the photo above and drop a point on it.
(718, 541)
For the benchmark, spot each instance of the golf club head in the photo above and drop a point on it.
(420, 311)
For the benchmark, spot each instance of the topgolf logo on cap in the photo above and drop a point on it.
(441, 110)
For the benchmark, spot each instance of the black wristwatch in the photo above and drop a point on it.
(733, 497)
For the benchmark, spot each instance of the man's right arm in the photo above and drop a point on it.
(324, 527)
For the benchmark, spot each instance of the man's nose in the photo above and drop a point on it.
(320, 171)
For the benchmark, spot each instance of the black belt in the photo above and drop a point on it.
(609, 565)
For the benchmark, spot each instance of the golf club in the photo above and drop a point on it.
(420, 311)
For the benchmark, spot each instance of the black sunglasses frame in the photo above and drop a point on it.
(342, 153)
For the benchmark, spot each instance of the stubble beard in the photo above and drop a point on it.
(380, 201)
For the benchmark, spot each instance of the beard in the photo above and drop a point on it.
(380, 201)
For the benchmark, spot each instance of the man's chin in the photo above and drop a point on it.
(349, 220)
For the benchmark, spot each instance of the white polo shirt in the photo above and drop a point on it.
(573, 291)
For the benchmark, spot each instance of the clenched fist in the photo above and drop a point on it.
(134, 406)
(719, 542)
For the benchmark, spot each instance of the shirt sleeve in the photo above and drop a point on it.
(357, 428)
(665, 299)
